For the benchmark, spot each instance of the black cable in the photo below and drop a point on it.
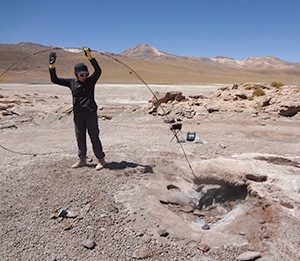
(30, 154)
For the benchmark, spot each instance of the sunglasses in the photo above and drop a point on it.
(83, 74)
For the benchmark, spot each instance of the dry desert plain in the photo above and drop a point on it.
(240, 202)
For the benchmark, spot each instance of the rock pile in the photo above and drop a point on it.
(248, 98)
(6, 105)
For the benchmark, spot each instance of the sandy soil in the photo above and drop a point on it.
(137, 207)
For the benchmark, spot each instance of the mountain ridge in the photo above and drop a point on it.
(29, 62)
(150, 53)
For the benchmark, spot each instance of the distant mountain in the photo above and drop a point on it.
(149, 53)
(267, 62)
(225, 61)
(146, 52)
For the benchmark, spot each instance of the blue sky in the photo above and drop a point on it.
(233, 28)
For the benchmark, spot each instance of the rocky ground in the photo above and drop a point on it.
(238, 200)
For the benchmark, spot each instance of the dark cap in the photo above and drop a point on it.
(81, 68)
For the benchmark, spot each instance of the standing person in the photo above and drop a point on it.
(84, 106)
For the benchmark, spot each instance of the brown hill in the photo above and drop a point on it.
(151, 64)
(149, 53)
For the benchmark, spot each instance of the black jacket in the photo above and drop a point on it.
(83, 93)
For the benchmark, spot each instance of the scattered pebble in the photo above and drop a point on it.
(203, 247)
(163, 233)
(113, 209)
(238, 110)
(198, 213)
(89, 244)
(62, 213)
(142, 254)
(54, 216)
(223, 146)
(66, 226)
(79, 218)
(205, 227)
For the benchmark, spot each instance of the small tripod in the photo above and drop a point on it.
(175, 128)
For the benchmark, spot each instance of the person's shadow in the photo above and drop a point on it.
(123, 165)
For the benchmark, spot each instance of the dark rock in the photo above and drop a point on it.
(199, 96)
(205, 227)
(173, 188)
(210, 110)
(257, 178)
(62, 213)
(289, 111)
(287, 205)
(242, 96)
(266, 102)
(66, 214)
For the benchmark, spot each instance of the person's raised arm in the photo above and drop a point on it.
(95, 76)
(53, 76)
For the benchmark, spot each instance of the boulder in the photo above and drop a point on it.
(158, 99)
(289, 111)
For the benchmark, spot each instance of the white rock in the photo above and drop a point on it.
(249, 255)
(90, 244)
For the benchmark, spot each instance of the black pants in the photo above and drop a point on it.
(87, 121)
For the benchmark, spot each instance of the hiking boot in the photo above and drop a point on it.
(101, 164)
(79, 163)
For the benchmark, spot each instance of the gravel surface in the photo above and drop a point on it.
(36, 187)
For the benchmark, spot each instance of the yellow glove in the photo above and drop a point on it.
(87, 52)
(52, 59)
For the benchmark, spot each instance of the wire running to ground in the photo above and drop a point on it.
(25, 153)
(27, 56)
